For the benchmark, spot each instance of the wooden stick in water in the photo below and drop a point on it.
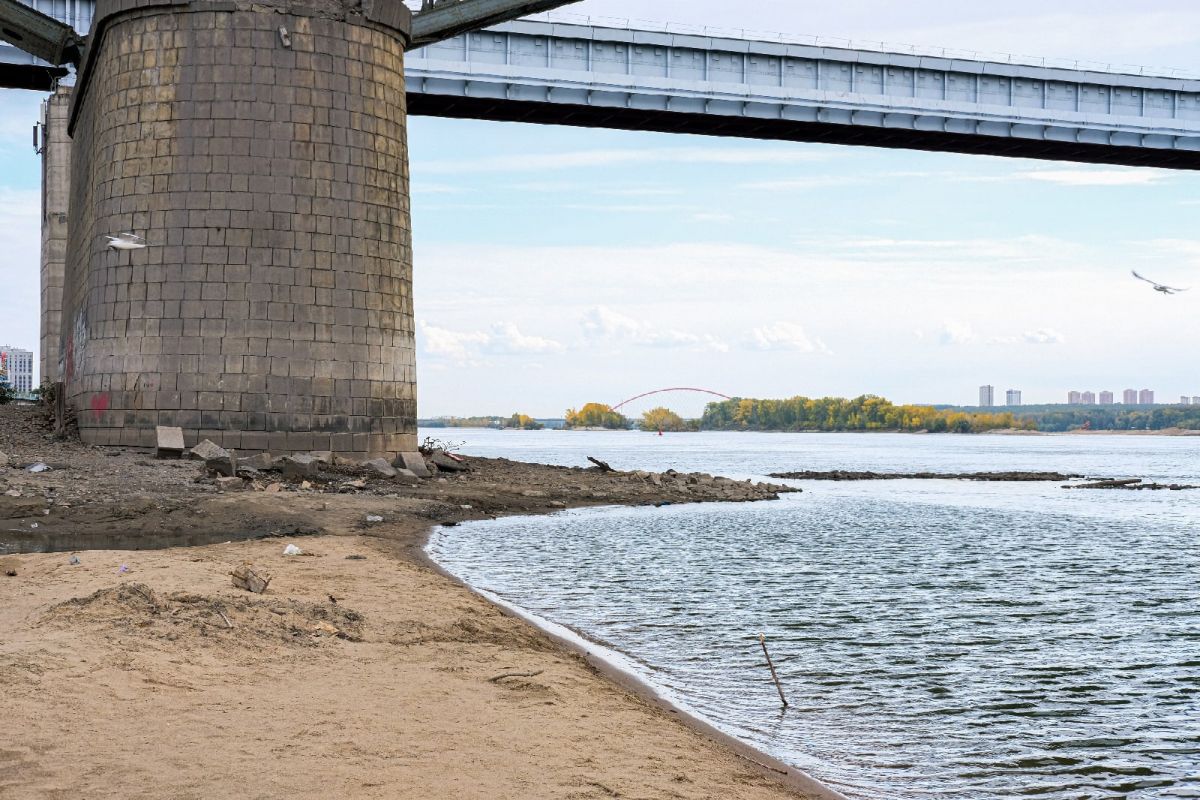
(763, 641)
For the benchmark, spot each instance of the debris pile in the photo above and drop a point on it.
(136, 609)
(318, 471)
(699, 482)
(1133, 485)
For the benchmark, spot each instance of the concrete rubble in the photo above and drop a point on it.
(381, 467)
(250, 579)
(301, 466)
(414, 463)
(206, 450)
(169, 442)
(447, 463)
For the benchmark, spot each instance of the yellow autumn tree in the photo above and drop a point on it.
(662, 419)
(596, 415)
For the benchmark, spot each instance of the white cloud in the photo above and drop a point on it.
(646, 191)
(1039, 336)
(585, 159)
(808, 182)
(1043, 336)
(453, 345)
(465, 347)
(955, 333)
(601, 323)
(1095, 177)
(785, 336)
(507, 339)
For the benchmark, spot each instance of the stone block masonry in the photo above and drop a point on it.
(261, 151)
(56, 191)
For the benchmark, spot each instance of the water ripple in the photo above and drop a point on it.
(966, 642)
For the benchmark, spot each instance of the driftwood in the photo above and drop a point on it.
(604, 467)
(252, 581)
(224, 618)
(763, 641)
(504, 675)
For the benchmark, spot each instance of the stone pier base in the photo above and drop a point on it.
(260, 149)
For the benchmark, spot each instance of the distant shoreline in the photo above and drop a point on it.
(998, 432)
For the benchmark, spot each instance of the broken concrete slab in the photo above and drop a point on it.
(301, 466)
(206, 451)
(225, 464)
(252, 580)
(227, 484)
(414, 462)
(381, 467)
(169, 442)
(324, 456)
(445, 463)
(263, 462)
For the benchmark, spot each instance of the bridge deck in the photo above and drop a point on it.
(577, 74)
(641, 80)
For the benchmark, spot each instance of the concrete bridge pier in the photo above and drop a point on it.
(56, 191)
(260, 148)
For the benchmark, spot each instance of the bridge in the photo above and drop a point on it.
(578, 74)
(589, 75)
(260, 149)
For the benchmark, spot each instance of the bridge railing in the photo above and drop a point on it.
(622, 23)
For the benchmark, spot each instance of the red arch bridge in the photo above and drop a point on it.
(672, 389)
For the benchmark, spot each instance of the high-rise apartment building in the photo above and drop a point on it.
(18, 368)
(1012, 397)
(987, 396)
(1196, 400)
(1074, 398)
(1130, 397)
(1088, 398)
(1106, 398)
(1146, 397)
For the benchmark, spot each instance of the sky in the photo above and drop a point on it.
(556, 266)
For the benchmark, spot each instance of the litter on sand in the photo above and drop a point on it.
(292, 550)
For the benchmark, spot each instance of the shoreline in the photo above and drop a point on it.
(606, 662)
(121, 665)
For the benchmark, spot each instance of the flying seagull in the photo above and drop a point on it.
(126, 241)
(1158, 287)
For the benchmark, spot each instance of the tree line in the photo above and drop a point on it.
(866, 413)
(516, 421)
(1110, 418)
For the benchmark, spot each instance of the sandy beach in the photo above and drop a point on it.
(362, 671)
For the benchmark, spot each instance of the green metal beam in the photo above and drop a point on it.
(443, 19)
(38, 34)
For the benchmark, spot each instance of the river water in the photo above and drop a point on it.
(939, 639)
